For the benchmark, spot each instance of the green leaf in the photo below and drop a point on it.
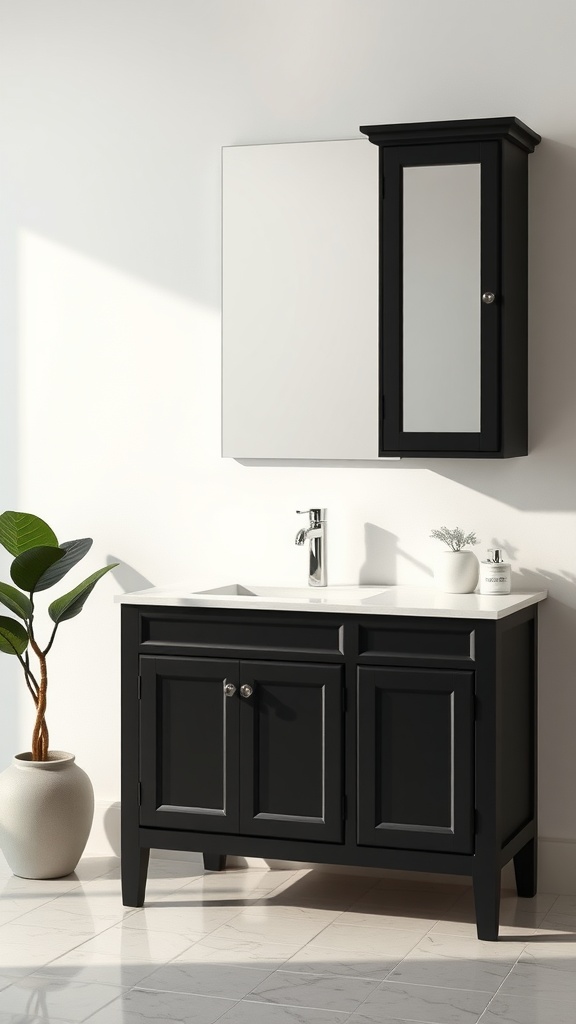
(73, 550)
(17, 603)
(31, 565)
(13, 636)
(42, 567)
(71, 604)
(20, 531)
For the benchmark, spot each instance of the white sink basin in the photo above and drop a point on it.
(346, 595)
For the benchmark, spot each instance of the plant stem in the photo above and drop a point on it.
(40, 731)
(29, 677)
(45, 740)
(40, 738)
(51, 641)
(34, 690)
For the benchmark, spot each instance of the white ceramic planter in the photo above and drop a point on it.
(46, 812)
(456, 572)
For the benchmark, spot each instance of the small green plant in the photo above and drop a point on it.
(456, 539)
(39, 562)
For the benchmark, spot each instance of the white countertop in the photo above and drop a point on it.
(368, 600)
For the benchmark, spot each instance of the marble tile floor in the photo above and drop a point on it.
(266, 946)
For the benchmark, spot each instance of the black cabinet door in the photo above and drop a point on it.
(291, 750)
(415, 759)
(454, 287)
(189, 744)
(399, 368)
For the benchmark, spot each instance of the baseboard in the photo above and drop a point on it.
(556, 873)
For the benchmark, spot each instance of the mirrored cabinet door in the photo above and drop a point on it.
(441, 311)
(439, 339)
(300, 301)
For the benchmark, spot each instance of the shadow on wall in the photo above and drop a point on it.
(11, 677)
(112, 826)
(127, 577)
(12, 681)
(380, 566)
(10, 671)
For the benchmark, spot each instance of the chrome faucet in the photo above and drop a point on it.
(316, 534)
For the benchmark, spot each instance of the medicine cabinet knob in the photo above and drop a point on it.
(488, 298)
(246, 690)
(229, 689)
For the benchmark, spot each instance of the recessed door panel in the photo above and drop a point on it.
(415, 749)
(189, 744)
(291, 750)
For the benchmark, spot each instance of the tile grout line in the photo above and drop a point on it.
(293, 1006)
(83, 942)
(135, 988)
(486, 1008)
(433, 925)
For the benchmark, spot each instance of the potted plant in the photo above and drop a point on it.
(456, 571)
(46, 800)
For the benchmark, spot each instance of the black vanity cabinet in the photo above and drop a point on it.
(393, 741)
(453, 369)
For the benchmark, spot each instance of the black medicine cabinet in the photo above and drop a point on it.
(453, 271)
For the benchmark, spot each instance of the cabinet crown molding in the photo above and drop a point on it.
(481, 129)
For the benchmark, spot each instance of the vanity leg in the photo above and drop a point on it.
(487, 902)
(134, 876)
(526, 869)
(214, 861)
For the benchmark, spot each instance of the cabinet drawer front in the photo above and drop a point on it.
(415, 759)
(189, 744)
(291, 750)
(453, 642)
(239, 633)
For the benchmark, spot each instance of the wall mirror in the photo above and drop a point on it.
(300, 301)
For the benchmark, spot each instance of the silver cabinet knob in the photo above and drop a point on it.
(488, 298)
(229, 689)
(246, 690)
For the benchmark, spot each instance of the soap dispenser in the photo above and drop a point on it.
(495, 574)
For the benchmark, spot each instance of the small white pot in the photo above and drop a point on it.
(46, 812)
(456, 572)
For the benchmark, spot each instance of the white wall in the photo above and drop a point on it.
(113, 114)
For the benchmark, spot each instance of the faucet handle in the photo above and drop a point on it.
(317, 515)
